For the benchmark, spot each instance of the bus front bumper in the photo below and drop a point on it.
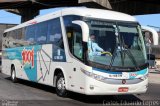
(95, 87)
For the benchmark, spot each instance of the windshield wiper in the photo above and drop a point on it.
(128, 52)
(114, 53)
(113, 57)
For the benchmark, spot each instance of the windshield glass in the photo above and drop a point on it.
(116, 44)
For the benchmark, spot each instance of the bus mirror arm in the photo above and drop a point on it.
(85, 29)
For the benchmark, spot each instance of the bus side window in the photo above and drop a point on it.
(19, 37)
(41, 32)
(74, 35)
(55, 33)
(77, 41)
(30, 34)
(10, 39)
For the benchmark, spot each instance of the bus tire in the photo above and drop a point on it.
(60, 85)
(13, 74)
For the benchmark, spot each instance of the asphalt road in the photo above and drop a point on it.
(26, 93)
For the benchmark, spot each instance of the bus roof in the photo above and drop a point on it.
(86, 12)
(98, 13)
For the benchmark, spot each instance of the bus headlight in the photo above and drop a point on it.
(98, 77)
(95, 76)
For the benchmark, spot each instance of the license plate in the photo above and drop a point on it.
(123, 89)
(115, 76)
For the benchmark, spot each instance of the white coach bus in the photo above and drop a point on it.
(89, 51)
(150, 35)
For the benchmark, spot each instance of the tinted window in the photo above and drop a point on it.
(41, 32)
(14, 38)
(77, 41)
(55, 38)
(30, 34)
(54, 31)
(18, 34)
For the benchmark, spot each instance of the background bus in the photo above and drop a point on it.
(57, 50)
(153, 46)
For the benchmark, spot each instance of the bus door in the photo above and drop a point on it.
(74, 35)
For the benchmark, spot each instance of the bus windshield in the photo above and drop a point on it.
(117, 44)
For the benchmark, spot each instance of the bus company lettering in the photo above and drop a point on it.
(133, 74)
(28, 56)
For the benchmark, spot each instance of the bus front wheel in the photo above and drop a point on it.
(13, 74)
(60, 85)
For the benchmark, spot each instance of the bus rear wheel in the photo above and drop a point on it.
(13, 74)
(60, 85)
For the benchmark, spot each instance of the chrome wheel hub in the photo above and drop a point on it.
(61, 84)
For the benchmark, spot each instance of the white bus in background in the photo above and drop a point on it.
(56, 50)
(153, 46)
(151, 35)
